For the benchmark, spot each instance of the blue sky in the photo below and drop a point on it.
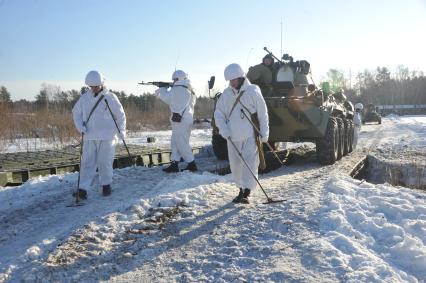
(58, 42)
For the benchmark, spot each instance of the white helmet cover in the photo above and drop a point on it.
(233, 71)
(359, 106)
(179, 75)
(94, 78)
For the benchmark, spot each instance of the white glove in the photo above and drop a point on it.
(121, 135)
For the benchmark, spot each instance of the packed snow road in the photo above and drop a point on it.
(182, 227)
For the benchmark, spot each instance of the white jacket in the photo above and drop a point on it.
(236, 125)
(357, 119)
(179, 98)
(100, 125)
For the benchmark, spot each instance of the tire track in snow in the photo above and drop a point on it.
(266, 239)
(35, 230)
(287, 229)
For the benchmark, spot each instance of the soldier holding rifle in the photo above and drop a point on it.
(181, 99)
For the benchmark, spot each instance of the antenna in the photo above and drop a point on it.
(248, 56)
(281, 37)
(177, 58)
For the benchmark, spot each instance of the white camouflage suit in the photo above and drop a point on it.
(237, 128)
(357, 124)
(180, 100)
(101, 136)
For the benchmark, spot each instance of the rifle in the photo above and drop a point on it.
(157, 84)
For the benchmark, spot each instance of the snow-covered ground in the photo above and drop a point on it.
(199, 137)
(182, 227)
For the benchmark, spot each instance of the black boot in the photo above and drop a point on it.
(82, 194)
(106, 190)
(238, 198)
(173, 167)
(191, 166)
(246, 194)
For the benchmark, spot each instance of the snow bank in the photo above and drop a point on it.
(378, 231)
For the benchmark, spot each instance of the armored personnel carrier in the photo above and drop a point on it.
(371, 115)
(300, 111)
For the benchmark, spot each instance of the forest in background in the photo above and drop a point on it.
(49, 115)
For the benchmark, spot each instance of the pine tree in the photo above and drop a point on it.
(4, 95)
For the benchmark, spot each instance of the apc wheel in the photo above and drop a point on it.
(327, 147)
(351, 135)
(346, 135)
(220, 147)
(341, 130)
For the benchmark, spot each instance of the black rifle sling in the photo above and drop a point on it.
(235, 103)
(254, 121)
(255, 124)
(93, 109)
(253, 118)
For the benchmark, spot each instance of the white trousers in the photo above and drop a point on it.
(180, 141)
(357, 129)
(97, 154)
(241, 174)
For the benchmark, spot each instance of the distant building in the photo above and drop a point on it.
(403, 109)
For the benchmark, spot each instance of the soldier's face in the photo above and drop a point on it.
(267, 61)
(234, 83)
(96, 89)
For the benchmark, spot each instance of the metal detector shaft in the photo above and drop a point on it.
(267, 143)
(115, 122)
(248, 167)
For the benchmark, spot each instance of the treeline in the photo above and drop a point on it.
(49, 115)
(381, 86)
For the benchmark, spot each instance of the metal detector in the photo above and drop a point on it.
(77, 198)
(269, 200)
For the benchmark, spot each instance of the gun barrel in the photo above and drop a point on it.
(270, 53)
(157, 84)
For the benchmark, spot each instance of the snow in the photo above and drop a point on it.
(199, 137)
(374, 224)
(182, 227)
